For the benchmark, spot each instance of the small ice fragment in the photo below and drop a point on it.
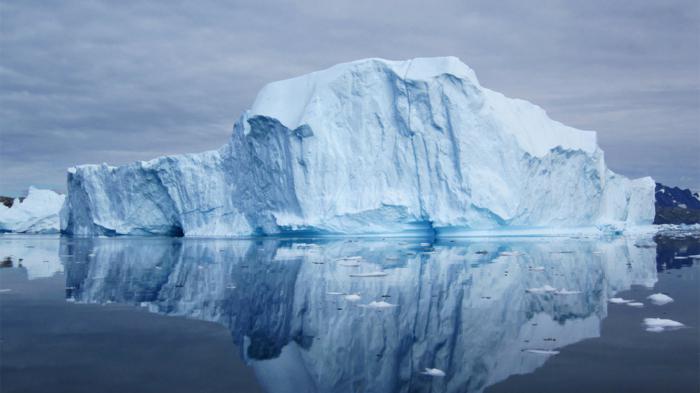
(379, 304)
(353, 297)
(425, 244)
(349, 264)
(635, 304)
(660, 299)
(618, 300)
(335, 293)
(566, 292)
(433, 372)
(543, 289)
(5, 290)
(230, 287)
(660, 324)
(370, 274)
(537, 269)
(543, 351)
(696, 256)
(511, 253)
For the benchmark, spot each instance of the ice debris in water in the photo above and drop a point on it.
(511, 253)
(657, 325)
(542, 351)
(635, 304)
(370, 274)
(619, 300)
(542, 289)
(660, 299)
(433, 372)
(353, 297)
(379, 304)
(566, 292)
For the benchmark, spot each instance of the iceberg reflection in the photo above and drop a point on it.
(311, 316)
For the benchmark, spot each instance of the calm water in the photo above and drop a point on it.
(370, 315)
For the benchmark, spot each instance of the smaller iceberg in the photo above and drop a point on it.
(37, 213)
(658, 325)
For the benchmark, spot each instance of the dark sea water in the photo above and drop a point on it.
(347, 315)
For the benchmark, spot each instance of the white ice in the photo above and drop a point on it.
(660, 324)
(660, 299)
(37, 213)
(371, 146)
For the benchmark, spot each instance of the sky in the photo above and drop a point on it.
(118, 81)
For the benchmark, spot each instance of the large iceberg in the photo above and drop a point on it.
(37, 213)
(371, 146)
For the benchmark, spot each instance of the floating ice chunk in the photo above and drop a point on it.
(230, 287)
(425, 244)
(5, 290)
(433, 372)
(370, 274)
(379, 304)
(511, 253)
(696, 256)
(537, 268)
(660, 299)
(335, 293)
(353, 297)
(566, 292)
(635, 304)
(619, 300)
(660, 324)
(350, 263)
(542, 351)
(542, 289)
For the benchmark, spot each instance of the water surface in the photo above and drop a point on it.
(344, 315)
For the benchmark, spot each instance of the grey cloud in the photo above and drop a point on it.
(94, 81)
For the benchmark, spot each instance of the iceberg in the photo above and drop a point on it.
(37, 213)
(366, 147)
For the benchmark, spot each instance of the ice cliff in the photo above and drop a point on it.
(371, 146)
(37, 213)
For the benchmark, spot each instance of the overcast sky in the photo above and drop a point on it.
(92, 81)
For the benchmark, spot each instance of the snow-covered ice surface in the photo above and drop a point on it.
(453, 310)
(38, 213)
(371, 146)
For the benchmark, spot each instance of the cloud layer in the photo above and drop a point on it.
(92, 81)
